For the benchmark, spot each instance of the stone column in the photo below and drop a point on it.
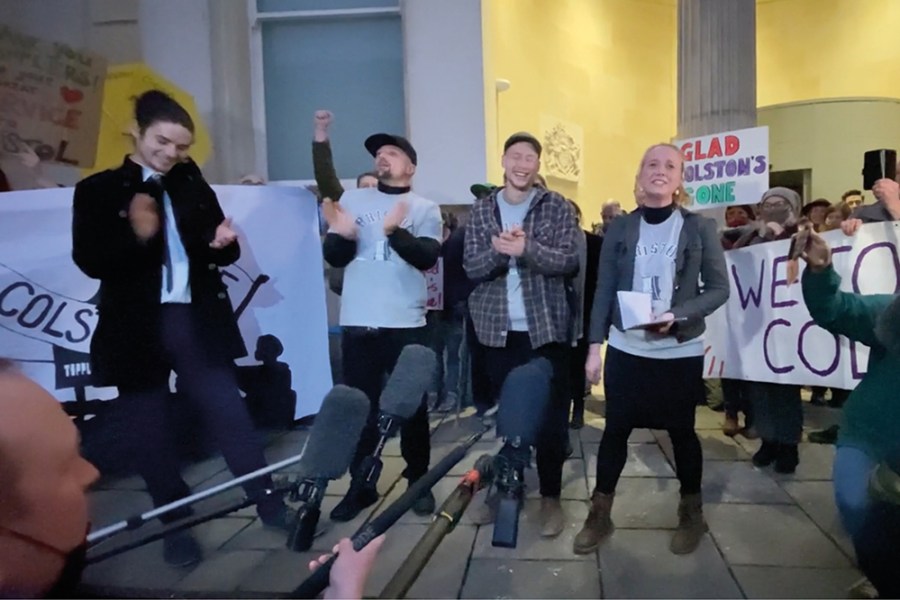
(716, 66)
(232, 118)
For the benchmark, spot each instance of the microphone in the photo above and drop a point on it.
(325, 455)
(450, 513)
(524, 399)
(313, 585)
(329, 451)
(410, 380)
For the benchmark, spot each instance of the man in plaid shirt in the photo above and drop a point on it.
(520, 249)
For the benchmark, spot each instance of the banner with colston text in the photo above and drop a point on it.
(48, 307)
(726, 169)
(765, 333)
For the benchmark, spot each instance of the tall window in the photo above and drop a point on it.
(342, 55)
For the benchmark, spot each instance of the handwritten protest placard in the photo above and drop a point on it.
(50, 97)
(434, 280)
(726, 169)
(765, 333)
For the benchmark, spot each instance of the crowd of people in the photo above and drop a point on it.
(523, 280)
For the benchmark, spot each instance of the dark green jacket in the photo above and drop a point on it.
(871, 419)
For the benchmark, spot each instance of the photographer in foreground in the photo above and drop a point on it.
(867, 462)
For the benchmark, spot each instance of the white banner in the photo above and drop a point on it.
(765, 333)
(726, 169)
(48, 307)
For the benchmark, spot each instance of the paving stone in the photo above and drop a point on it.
(771, 535)
(715, 444)
(140, 569)
(280, 572)
(592, 433)
(392, 467)
(198, 472)
(441, 490)
(222, 572)
(645, 503)
(816, 461)
(442, 576)
(816, 498)
(575, 441)
(708, 419)
(574, 482)
(258, 537)
(502, 578)
(740, 482)
(489, 447)
(795, 582)
(110, 506)
(644, 460)
(128, 482)
(531, 546)
(637, 564)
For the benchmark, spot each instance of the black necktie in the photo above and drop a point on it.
(159, 190)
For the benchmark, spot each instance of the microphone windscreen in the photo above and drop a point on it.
(524, 399)
(412, 377)
(335, 433)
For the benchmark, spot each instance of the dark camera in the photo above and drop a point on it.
(878, 164)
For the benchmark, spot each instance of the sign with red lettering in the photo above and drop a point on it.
(764, 331)
(50, 97)
(726, 169)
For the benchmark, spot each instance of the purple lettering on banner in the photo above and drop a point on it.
(854, 363)
(754, 295)
(862, 254)
(774, 369)
(837, 353)
(776, 283)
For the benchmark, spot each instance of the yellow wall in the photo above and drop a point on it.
(606, 65)
(829, 137)
(811, 49)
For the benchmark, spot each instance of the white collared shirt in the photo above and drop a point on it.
(181, 286)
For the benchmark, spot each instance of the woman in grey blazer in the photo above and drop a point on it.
(654, 375)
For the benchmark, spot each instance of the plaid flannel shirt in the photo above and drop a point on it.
(546, 267)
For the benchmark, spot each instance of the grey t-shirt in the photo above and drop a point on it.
(380, 288)
(654, 274)
(512, 215)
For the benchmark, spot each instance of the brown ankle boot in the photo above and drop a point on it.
(691, 525)
(597, 526)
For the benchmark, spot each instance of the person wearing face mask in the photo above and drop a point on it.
(43, 486)
(777, 215)
(777, 408)
(737, 219)
(653, 377)
(385, 237)
(153, 233)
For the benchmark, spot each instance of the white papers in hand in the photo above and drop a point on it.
(635, 308)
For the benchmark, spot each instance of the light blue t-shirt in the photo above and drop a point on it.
(512, 215)
(380, 288)
(180, 292)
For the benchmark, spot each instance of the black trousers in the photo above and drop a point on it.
(654, 394)
(369, 356)
(482, 392)
(211, 386)
(551, 446)
(735, 395)
(577, 377)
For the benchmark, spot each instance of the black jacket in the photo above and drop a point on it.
(125, 348)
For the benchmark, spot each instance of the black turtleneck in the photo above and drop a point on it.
(392, 190)
(657, 214)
